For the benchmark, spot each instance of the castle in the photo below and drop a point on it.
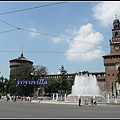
(106, 80)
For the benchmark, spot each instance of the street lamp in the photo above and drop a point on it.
(60, 91)
(5, 88)
(38, 91)
(31, 75)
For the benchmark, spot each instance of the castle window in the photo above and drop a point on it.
(116, 34)
(108, 74)
(113, 74)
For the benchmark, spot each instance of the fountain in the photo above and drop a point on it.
(85, 86)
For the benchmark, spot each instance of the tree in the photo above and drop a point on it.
(1, 87)
(63, 72)
(2, 79)
(61, 84)
(2, 84)
(51, 86)
(40, 71)
(62, 81)
(23, 72)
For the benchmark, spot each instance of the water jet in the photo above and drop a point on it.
(85, 86)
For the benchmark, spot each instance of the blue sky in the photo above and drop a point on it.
(73, 34)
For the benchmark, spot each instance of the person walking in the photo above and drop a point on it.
(95, 103)
(79, 101)
(86, 101)
(91, 101)
(7, 97)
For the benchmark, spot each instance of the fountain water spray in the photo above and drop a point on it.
(85, 85)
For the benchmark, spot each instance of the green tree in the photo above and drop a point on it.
(40, 71)
(1, 87)
(6, 81)
(2, 79)
(54, 85)
(2, 84)
(23, 72)
(51, 86)
(62, 81)
(69, 86)
(63, 72)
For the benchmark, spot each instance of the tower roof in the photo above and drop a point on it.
(21, 58)
(116, 20)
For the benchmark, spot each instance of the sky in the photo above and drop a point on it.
(74, 34)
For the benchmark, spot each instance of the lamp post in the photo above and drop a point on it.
(38, 91)
(60, 91)
(5, 88)
(31, 75)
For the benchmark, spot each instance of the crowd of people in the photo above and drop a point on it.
(16, 98)
(92, 101)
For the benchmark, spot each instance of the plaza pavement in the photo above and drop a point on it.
(69, 102)
(57, 110)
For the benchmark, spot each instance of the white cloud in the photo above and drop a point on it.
(105, 12)
(60, 38)
(81, 48)
(69, 32)
(34, 32)
(56, 39)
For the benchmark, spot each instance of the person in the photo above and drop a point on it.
(79, 101)
(86, 101)
(92, 101)
(7, 98)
